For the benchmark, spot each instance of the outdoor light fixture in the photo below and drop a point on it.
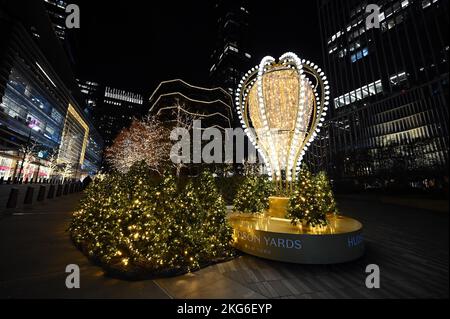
(282, 106)
(285, 102)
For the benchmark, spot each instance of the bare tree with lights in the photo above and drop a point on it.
(52, 163)
(145, 140)
(183, 120)
(66, 170)
(29, 152)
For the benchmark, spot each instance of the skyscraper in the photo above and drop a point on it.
(56, 10)
(91, 93)
(230, 57)
(38, 106)
(389, 113)
(115, 111)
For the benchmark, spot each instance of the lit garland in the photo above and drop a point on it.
(136, 225)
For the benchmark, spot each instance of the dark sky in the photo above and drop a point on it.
(136, 44)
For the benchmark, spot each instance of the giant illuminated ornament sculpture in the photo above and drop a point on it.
(281, 105)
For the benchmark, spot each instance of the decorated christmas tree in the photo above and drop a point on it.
(253, 194)
(136, 225)
(324, 193)
(304, 206)
(213, 217)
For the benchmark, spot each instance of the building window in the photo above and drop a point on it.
(398, 78)
(359, 55)
(358, 94)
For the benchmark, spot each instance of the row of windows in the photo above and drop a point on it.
(358, 94)
(23, 103)
(360, 27)
(400, 125)
(420, 133)
(359, 55)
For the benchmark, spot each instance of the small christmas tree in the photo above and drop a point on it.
(214, 224)
(325, 196)
(253, 195)
(303, 204)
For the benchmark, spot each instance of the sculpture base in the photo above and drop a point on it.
(277, 239)
(278, 206)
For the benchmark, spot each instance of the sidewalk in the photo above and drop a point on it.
(409, 245)
(35, 249)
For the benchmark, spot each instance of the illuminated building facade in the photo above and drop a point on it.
(230, 58)
(177, 104)
(389, 116)
(36, 104)
(211, 105)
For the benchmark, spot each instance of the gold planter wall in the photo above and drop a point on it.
(278, 206)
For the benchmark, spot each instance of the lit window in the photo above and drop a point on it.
(398, 78)
(426, 3)
(359, 94)
(359, 55)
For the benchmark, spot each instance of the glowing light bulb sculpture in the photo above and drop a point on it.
(281, 106)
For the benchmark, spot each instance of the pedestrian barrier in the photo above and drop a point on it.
(41, 194)
(66, 189)
(12, 199)
(54, 190)
(51, 192)
(29, 195)
(59, 190)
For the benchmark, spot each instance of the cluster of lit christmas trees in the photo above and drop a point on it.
(136, 225)
(310, 201)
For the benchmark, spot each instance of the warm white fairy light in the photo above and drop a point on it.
(286, 109)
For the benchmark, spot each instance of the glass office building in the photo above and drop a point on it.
(37, 109)
(388, 122)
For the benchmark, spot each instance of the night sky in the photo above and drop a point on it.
(136, 44)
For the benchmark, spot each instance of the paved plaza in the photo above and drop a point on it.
(410, 245)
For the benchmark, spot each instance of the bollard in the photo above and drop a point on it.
(20, 180)
(8, 181)
(1, 180)
(66, 189)
(29, 195)
(51, 192)
(59, 190)
(12, 199)
(41, 194)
